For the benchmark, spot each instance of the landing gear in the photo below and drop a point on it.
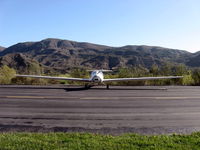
(107, 86)
(87, 86)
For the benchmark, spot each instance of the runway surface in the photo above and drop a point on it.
(144, 110)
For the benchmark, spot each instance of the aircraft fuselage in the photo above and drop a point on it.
(97, 76)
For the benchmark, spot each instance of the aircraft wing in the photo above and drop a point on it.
(142, 78)
(56, 78)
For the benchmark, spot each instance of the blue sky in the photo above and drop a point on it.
(166, 23)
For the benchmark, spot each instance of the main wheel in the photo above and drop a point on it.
(107, 86)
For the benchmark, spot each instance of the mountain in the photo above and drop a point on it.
(1, 48)
(194, 60)
(61, 55)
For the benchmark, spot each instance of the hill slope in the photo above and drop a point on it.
(64, 54)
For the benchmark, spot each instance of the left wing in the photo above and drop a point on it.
(56, 78)
(142, 78)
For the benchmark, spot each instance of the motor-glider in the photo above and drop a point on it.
(97, 77)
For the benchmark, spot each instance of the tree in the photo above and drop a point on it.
(35, 68)
(180, 70)
(78, 73)
(166, 69)
(154, 70)
(196, 76)
(6, 74)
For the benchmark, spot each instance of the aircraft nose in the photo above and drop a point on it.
(96, 79)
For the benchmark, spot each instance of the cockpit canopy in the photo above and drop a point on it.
(96, 72)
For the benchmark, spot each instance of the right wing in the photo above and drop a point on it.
(142, 78)
(56, 78)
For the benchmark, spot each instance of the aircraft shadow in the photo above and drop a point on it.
(82, 88)
(121, 88)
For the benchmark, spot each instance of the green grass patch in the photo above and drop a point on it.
(86, 141)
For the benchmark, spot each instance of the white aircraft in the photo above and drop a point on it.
(97, 77)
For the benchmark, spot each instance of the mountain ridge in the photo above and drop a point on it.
(65, 54)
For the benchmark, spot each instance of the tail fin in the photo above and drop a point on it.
(102, 70)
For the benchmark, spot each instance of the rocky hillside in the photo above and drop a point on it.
(63, 55)
(21, 63)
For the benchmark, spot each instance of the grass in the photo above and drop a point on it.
(86, 141)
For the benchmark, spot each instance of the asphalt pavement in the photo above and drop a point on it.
(134, 109)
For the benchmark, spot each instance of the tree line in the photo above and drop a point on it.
(191, 76)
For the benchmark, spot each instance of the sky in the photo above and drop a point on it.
(166, 23)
